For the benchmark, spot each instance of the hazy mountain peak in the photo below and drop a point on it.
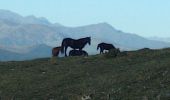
(30, 16)
(35, 20)
(6, 15)
(58, 25)
(13, 18)
(43, 19)
(104, 23)
(7, 12)
(99, 27)
(103, 26)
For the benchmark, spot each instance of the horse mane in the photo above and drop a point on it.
(84, 38)
(87, 39)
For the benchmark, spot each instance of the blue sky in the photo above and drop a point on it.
(143, 17)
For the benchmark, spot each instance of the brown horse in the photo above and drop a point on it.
(55, 51)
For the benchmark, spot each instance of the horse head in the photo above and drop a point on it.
(89, 40)
(98, 46)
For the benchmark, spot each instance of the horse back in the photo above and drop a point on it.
(106, 46)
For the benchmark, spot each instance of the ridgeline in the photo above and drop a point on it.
(136, 75)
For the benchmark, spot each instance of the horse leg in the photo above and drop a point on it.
(101, 51)
(57, 54)
(66, 51)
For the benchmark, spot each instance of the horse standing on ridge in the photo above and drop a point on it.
(74, 44)
(105, 46)
(56, 51)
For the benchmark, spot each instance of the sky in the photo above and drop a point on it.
(143, 17)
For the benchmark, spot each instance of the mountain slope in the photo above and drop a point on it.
(140, 75)
(38, 51)
(8, 56)
(160, 39)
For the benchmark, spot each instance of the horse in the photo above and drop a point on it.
(74, 44)
(55, 51)
(78, 53)
(105, 46)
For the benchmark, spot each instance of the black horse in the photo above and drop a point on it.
(105, 46)
(75, 44)
(78, 53)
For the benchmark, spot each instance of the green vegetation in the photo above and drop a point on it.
(137, 75)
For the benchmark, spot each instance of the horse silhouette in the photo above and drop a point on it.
(55, 51)
(78, 53)
(105, 46)
(74, 44)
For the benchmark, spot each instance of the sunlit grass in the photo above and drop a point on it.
(139, 75)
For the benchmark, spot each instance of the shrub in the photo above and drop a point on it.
(112, 53)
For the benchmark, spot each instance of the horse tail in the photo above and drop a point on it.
(62, 46)
(52, 53)
(98, 46)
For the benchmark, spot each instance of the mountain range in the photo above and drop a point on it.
(23, 38)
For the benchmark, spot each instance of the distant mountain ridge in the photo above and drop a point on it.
(105, 32)
(18, 34)
(11, 17)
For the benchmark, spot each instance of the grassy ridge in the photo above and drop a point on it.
(140, 75)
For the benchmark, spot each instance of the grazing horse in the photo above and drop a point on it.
(74, 44)
(55, 51)
(105, 46)
(78, 53)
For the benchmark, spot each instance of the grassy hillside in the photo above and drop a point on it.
(139, 75)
